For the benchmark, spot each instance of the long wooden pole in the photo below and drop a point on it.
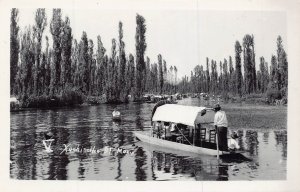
(217, 141)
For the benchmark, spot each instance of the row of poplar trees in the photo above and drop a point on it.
(228, 79)
(73, 66)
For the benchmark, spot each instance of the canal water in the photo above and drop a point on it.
(88, 145)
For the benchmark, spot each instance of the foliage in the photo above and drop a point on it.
(14, 49)
(70, 72)
(140, 44)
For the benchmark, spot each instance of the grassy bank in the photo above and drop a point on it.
(258, 117)
(255, 99)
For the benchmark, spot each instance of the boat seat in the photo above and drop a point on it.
(202, 134)
(212, 136)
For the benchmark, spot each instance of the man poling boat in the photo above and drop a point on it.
(186, 128)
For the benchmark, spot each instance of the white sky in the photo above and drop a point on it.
(184, 37)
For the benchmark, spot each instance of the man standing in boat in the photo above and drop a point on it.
(221, 124)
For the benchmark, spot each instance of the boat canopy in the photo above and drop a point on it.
(187, 115)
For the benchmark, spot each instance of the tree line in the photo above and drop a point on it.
(270, 80)
(74, 70)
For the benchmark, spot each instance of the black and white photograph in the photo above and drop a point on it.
(148, 94)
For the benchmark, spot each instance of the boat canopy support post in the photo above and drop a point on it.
(194, 134)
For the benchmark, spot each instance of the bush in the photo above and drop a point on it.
(254, 96)
(93, 100)
(226, 97)
(69, 97)
(273, 94)
(14, 106)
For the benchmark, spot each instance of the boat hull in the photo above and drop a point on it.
(145, 137)
(116, 118)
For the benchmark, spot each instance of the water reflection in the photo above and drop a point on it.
(23, 149)
(140, 160)
(92, 126)
(281, 140)
(251, 138)
(223, 173)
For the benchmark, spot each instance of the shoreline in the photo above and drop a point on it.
(244, 102)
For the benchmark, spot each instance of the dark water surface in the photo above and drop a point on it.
(262, 129)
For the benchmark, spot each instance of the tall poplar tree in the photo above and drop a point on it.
(249, 64)
(14, 48)
(232, 82)
(55, 29)
(122, 64)
(238, 68)
(101, 65)
(83, 67)
(38, 28)
(27, 60)
(160, 74)
(282, 67)
(140, 45)
(66, 44)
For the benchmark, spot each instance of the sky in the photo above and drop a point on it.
(183, 37)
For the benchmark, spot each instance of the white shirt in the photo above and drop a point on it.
(232, 144)
(220, 119)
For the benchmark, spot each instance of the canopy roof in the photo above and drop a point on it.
(187, 115)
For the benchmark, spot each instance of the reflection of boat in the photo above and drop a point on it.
(190, 135)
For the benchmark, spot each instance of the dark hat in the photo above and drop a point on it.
(234, 135)
(203, 112)
(217, 107)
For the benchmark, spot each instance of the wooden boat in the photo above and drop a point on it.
(147, 138)
(116, 116)
(190, 116)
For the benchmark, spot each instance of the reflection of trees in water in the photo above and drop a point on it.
(160, 159)
(153, 166)
(120, 137)
(252, 142)
(59, 162)
(25, 152)
(120, 142)
(82, 140)
(63, 138)
(139, 120)
(119, 169)
(223, 173)
(140, 161)
(98, 136)
(167, 163)
(240, 134)
(281, 140)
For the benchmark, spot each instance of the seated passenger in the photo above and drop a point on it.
(167, 131)
(173, 127)
(116, 113)
(232, 143)
(157, 129)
